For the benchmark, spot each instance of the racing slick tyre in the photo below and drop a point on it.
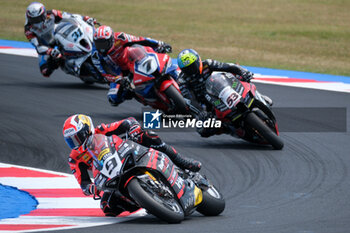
(177, 99)
(212, 204)
(167, 209)
(264, 131)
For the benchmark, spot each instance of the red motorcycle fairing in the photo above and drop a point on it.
(248, 87)
(167, 83)
(222, 115)
(252, 89)
(163, 60)
(142, 79)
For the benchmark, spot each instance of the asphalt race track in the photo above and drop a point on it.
(304, 188)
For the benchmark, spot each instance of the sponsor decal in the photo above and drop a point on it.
(86, 157)
(103, 152)
(69, 132)
(234, 84)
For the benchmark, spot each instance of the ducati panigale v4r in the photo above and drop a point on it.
(153, 79)
(242, 109)
(150, 180)
(74, 38)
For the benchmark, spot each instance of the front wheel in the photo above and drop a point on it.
(156, 201)
(212, 204)
(177, 99)
(264, 131)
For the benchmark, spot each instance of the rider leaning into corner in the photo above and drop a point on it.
(39, 28)
(111, 51)
(192, 80)
(79, 127)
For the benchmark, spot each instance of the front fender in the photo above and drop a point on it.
(167, 83)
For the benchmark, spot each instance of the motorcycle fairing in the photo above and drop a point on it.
(147, 66)
(185, 189)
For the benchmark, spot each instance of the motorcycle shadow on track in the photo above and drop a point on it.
(59, 85)
(225, 144)
(73, 86)
(118, 115)
(151, 220)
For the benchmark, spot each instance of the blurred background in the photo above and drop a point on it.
(304, 35)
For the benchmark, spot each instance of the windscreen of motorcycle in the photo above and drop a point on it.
(106, 159)
(136, 53)
(145, 63)
(218, 85)
(74, 37)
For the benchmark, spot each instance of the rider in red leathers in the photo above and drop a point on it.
(111, 48)
(78, 128)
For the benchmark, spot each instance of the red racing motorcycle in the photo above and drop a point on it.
(152, 80)
(242, 110)
(147, 178)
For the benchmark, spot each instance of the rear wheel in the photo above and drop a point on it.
(264, 131)
(177, 99)
(212, 204)
(156, 199)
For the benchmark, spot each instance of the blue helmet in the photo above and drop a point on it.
(189, 62)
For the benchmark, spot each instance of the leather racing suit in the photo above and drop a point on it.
(81, 162)
(194, 88)
(41, 37)
(114, 64)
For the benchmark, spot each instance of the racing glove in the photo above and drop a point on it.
(90, 190)
(53, 52)
(113, 78)
(135, 132)
(90, 20)
(113, 95)
(163, 47)
(247, 76)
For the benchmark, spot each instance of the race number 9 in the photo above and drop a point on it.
(112, 166)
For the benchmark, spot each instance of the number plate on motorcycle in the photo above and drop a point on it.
(230, 97)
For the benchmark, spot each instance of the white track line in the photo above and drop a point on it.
(40, 183)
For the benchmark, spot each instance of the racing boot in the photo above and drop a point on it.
(109, 209)
(151, 139)
(113, 204)
(180, 161)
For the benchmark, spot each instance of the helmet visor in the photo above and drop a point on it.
(191, 69)
(76, 140)
(103, 45)
(38, 19)
(72, 142)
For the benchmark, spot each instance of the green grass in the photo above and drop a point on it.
(304, 35)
